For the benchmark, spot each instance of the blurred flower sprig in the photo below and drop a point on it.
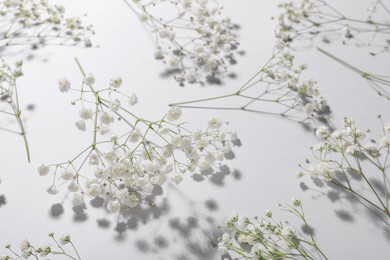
(267, 238)
(191, 37)
(29, 251)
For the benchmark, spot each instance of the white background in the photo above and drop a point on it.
(261, 176)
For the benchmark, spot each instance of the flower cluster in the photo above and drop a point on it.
(191, 38)
(27, 250)
(266, 238)
(308, 19)
(36, 22)
(9, 100)
(354, 160)
(278, 88)
(129, 156)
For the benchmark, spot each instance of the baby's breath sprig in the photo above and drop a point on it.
(267, 238)
(353, 160)
(191, 37)
(9, 100)
(27, 250)
(379, 83)
(36, 23)
(277, 89)
(306, 20)
(129, 156)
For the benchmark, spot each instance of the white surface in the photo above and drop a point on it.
(266, 162)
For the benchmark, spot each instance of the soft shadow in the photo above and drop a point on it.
(3, 201)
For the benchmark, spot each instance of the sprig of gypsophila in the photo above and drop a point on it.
(36, 23)
(379, 83)
(9, 100)
(29, 251)
(277, 89)
(353, 160)
(306, 20)
(139, 155)
(190, 37)
(267, 238)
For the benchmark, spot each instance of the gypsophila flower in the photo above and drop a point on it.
(65, 239)
(37, 23)
(89, 79)
(85, 113)
(344, 151)
(190, 37)
(81, 125)
(116, 82)
(133, 100)
(43, 252)
(138, 155)
(267, 238)
(64, 85)
(214, 123)
(296, 21)
(43, 170)
(174, 114)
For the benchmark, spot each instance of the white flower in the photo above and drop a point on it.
(85, 113)
(214, 123)
(174, 62)
(351, 149)
(67, 175)
(158, 54)
(288, 232)
(89, 79)
(113, 206)
(64, 239)
(24, 245)
(322, 132)
(174, 113)
(73, 187)
(52, 190)
(94, 189)
(203, 164)
(134, 135)
(115, 105)
(280, 44)
(190, 75)
(64, 85)
(133, 100)
(106, 118)
(131, 201)
(385, 141)
(77, 199)
(81, 125)
(310, 107)
(116, 82)
(43, 170)
(94, 159)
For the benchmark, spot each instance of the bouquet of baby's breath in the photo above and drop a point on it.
(36, 22)
(277, 89)
(191, 37)
(129, 156)
(29, 251)
(267, 238)
(308, 19)
(353, 160)
(10, 111)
